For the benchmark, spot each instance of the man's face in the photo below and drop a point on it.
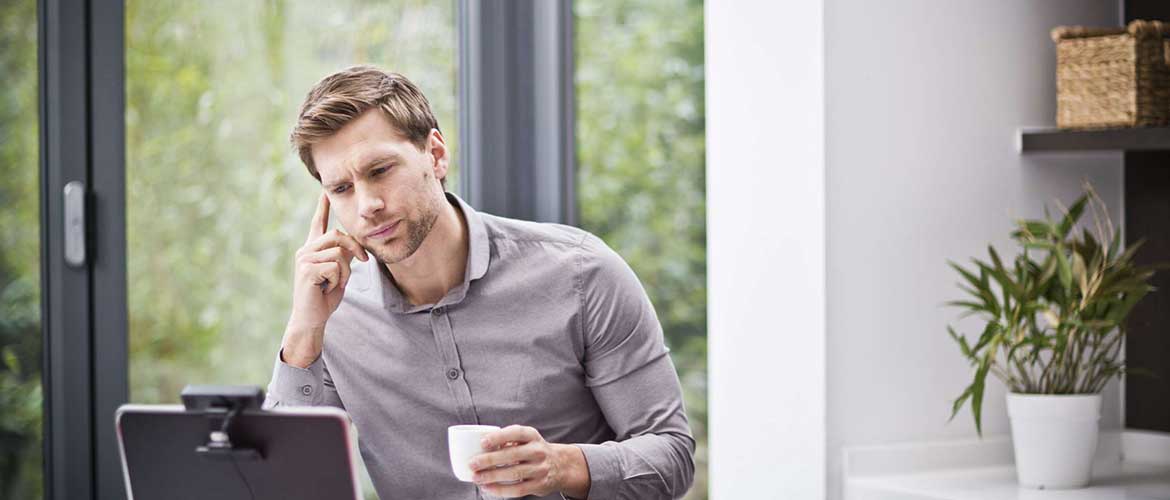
(382, 188)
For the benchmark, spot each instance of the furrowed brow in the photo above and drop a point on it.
(376, 161)
(381, 159)
(333, 184)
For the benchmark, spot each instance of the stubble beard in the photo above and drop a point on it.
(417, 230)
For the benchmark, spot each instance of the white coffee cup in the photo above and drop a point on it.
(463, 442)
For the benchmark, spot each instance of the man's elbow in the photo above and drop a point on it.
(684, 451)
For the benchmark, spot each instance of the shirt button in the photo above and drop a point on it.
(453, 373)
(437, 311)
(306, 390)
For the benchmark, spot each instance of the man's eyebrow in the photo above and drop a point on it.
(332, 184)
(377, 160)
(380, 159)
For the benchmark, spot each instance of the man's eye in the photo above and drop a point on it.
(340, 189)
(379, 171)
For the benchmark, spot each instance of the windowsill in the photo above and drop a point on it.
(1131, 465)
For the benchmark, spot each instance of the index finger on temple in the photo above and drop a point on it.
(320, 218)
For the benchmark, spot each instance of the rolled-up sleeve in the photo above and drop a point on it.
(629, 371)
(309, 386)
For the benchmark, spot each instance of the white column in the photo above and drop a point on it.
(766, 248)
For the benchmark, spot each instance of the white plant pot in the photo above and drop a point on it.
(1055, 438)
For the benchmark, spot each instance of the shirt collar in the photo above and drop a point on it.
(478, 257)
(479, 252)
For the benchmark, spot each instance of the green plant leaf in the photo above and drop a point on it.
(1039, 245)
(967, 275)
(1114, 244)
(1080, 274)
(977, 391)
(958, 404)
(1072, 216)
(1063, 269)
(974, 307)
(1000, 274)
(1036, 230)
(1118, 312)
(1047, 272)
(962, 341)
(980, 287)
(1142, 372)
(989, 333)
(1130, 251)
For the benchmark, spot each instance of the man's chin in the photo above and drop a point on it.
(388, 254)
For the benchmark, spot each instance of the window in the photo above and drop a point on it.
(640, 169)
(20, 263)
(216, 201)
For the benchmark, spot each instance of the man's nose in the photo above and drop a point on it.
(369, 203)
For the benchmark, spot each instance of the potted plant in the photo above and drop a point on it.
(1053, 333)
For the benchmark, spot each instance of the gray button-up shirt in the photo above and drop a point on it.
(550, 329)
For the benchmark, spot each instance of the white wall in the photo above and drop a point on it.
(765, 248)
(922, 101)
(853, 147)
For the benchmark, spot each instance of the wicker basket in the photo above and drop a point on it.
(1113, 77)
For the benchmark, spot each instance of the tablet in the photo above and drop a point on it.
(293, 453)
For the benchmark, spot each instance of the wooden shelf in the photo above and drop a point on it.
(1120, 139)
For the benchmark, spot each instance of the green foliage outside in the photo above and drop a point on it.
(217, 203)
(641, 167)
(20, 279)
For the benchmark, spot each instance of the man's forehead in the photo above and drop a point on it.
(367, 138)
(358, 157)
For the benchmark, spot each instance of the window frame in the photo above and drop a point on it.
(517, 108)
(83, 310)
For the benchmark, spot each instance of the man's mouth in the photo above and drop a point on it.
(382, 232)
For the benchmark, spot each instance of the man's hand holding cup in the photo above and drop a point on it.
(517, 461)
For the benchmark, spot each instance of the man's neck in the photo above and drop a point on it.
(439, 263)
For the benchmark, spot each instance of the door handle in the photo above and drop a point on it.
(74, 200)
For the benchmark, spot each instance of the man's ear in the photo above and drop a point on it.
(437, 147)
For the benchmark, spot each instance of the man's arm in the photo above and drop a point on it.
(651, 457)
(653, 454)
(319, 279)
(295, 386)
(630, 373)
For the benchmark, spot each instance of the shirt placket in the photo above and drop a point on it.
(452, 367)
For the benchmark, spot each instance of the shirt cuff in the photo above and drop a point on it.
(605, 470)
(293, 386)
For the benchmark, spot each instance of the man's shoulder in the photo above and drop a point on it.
(516, 230)
(551, 239)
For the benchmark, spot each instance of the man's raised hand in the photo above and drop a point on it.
(319, 279)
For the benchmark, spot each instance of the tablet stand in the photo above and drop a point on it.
(228, 401)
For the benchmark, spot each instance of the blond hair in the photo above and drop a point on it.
(343, 96)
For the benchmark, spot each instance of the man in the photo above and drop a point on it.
(450, 316)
